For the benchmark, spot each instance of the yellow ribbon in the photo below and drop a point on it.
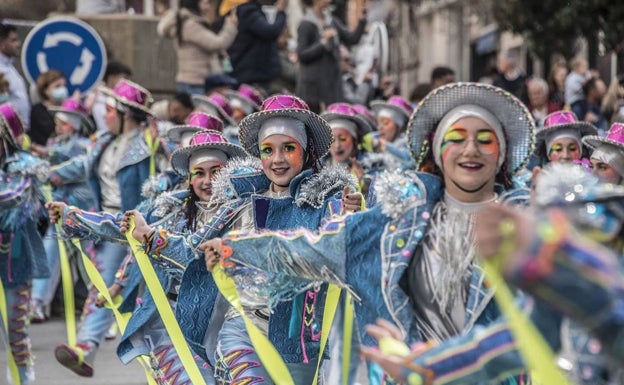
(270, 357)
(66, 278)
(5, 318)
(152, 144)
(535, 352)
(164, 309)
(347, 335)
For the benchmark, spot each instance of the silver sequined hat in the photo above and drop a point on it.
(516, 120)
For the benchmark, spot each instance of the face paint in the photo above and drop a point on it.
(564, 150)
(200, 178)
(282, 159)
(387, 128)
(469, 155)
(605, 172)
(342, 147)
(457, 138)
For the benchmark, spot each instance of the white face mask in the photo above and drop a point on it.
(4, 97)
(59, 94)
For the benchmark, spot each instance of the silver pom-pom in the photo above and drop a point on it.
(398, 191)
(222, 189)
(328, 181)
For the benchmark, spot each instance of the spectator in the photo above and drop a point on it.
(197, 46)
(419, 92)
(574, 81)
(588, 109)
(52, 92)
(355, 92)
(613, 101)
(180, 107)
(556, 83)
(318, 47)
(254, 55)
(4, 89)
(287, 46)
(441, 75)
(510, 77)
(9, 49)
(539, 105)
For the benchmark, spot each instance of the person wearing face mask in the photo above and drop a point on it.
(52, 92)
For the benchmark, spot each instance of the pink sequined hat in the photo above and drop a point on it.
(204, 140)
(563, 120)
(246, 96)
(290, 106)
(132, 95)
(614, 137)
(195, 122)
(346, 111)
(395, 103)
(74, 107)
(367, 114)
(215, 104)
(11, 123)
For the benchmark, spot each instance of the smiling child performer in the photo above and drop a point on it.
(410, 259)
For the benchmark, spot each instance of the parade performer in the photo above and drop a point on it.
(410, 259)
(182, 211)
(118, 163)
(554, 259)
(607, 158)
(22, 256)
(289, 139)
(392, 118)
(72, 125)
(559, 139)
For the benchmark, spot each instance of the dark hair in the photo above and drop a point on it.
(190, 5)
(419, 92)
(184, 99)
(440, 72)
(589, 85)
(6, 29)
(116, 68)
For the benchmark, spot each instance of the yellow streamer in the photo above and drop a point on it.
(66, 279)
(164, 309)
(5, 320)
(270, 357)
(152, 144)
(535, 352)
(347, 335)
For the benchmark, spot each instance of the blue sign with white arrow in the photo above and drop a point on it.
(68, 45)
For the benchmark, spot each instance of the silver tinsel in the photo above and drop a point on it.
(222, 189)
(329, 180)
(398, 191)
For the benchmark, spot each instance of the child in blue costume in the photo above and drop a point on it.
(72, 125)
(181, 211)
(117, 164)
(411, 258)
(289, 139)
(392, 116)
(556, 261)
(22, 256)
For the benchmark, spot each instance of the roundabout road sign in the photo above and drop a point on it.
(68, 45)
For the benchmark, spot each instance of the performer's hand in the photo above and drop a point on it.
(113, 290)
(505, 232)
(391, 362)
(212, 252)
(351, 202)
(55, 210)
(141, 228)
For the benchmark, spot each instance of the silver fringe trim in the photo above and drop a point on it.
(329, 180)
(222, 189)
(399, 191)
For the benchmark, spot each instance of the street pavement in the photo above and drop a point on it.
(108, 369)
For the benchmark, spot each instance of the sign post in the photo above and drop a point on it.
(68, 45)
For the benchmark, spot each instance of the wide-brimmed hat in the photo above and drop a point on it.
(557, 121)
(346, 111)
(516, 120)
(218, 80)
(11, 123)
(204, 140)
(132, 95)
(366, 114)
(317, 128)
(614, 137)
(195, 122)
(215, 103)
(73, 107)
(247, 96)
(394, 103)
